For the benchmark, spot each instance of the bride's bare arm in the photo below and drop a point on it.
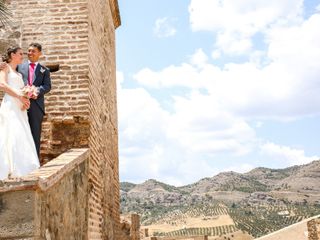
(9, 90)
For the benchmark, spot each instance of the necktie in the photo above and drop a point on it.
(31, 73)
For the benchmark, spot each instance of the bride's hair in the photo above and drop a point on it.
(6, 57)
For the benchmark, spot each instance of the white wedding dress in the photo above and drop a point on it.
(18, 154)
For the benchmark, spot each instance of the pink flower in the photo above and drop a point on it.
(30, 91)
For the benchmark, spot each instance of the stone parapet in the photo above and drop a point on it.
(304, 230)
(49, 203)
(48, 175)
(204, 237)
(314, 229)
(135, 227)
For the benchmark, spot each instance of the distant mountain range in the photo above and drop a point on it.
(293, 184)
(259, 202)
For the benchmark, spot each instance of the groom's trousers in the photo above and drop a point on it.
(35, 116)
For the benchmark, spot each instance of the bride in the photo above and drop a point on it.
(18, 154)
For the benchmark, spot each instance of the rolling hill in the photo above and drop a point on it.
(258, 202)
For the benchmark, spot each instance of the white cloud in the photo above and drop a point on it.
(216, 54)
(285, 86)
(184, 75)
(286, 154)
(164, 27)
(199, 58)
(165, 145)
(140, 127)
(142, 123)
(237, 21)
(258, 124)
(200, 125)
(297, 45)
(233, 43)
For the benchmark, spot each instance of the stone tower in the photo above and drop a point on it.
(81, 109)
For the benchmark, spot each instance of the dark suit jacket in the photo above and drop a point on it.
(41, 79)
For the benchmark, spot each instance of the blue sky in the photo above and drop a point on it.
(206, 86)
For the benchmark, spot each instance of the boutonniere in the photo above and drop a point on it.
(42, 70)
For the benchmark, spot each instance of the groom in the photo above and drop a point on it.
(34, 73)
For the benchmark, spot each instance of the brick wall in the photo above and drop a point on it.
(103, 142)
(81, 107)
(62, 28)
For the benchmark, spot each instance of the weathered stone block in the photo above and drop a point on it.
(314, 229)
(17, 214)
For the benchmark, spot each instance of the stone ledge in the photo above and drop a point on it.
(115, 13)
(47, 175)
(297, 230)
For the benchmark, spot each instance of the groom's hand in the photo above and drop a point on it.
(34, 97)
(3, 65)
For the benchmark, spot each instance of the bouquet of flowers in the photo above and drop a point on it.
(30, 91)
